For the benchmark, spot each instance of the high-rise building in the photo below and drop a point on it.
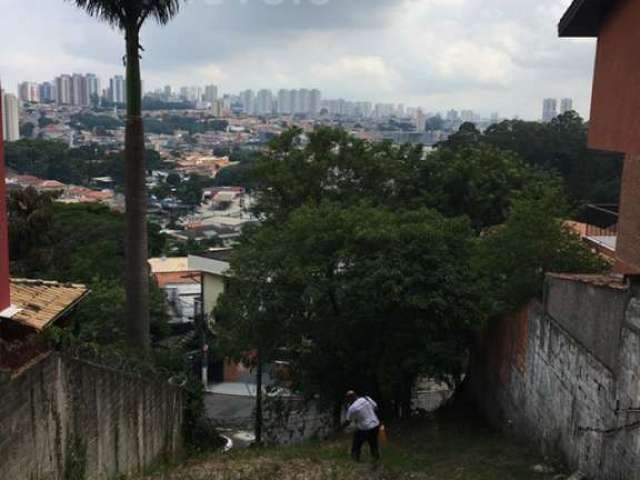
(315, 99)
(566, 105)
(264, 102)
(217, 108)
(296, 104)
(210, 93)
(10, 117)
(248, 101)
(304, 101)
(117, 90)
(383, 110)
(63, 89)
(467, 116)
(77, 88)
(365, 109)
(285, 104)
(29, 92)
(47, 92)
(93, 88)
(549, 109)
(421, 121)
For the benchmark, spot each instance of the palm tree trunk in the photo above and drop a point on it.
(137, 277)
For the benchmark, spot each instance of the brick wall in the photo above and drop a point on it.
(562, 397)
(628, 246)
(59, 408)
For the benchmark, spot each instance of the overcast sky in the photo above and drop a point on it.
(485, 55)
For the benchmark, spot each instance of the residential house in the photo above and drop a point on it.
(181, 285)
(214, 268)
(27, 307)
(614, 123)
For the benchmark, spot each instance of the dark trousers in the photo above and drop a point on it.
(368, 436)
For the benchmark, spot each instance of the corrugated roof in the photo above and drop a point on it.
(42, 302)
(584, 18)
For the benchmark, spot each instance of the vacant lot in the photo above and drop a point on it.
(449, 446)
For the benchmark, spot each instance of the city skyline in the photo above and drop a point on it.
(421, 52)
(82, 90)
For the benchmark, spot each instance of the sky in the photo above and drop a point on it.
(485, 55)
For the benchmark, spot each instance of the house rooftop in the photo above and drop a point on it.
(606, 280)
(169, 264)
(584, 18)
(39, 303)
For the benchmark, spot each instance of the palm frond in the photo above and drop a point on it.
(112, 12)
(162, 11)
(120, 13)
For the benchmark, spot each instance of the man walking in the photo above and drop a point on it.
(362, 411)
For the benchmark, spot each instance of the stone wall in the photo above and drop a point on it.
(63, 414)
(554, 380)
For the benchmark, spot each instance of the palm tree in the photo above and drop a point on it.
(129, 16)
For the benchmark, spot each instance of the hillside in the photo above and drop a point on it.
(448, 447)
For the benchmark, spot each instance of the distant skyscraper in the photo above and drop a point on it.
(467, 116)
(117, 89)
(10, 117)
(285, 102)
(29, 92)
(210, 93)
(47, 92)
(93, 88)
(264, 102)
(248, 101)
(63, 89)
(78, 89)
(421, 121)
(296, 104)
(304, 101)
(566, 105)
(549, 109)
(315, 100)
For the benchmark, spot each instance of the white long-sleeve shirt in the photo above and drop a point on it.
(362, 413)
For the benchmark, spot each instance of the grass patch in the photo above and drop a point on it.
(449, 446)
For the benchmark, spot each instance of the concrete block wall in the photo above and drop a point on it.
(560, 392)
(62, 411)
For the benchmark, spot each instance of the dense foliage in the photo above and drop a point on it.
(375, 263)
(188, 190)
(559, 146)
(168, 124)
(54, 160)
(89, 121)
(80, 243)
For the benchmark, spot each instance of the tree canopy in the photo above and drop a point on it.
(54, 160)
(559, 146)
(80, 243)
(375, 263)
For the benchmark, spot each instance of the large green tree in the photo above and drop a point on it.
(375, 263)
(129, 16)
(560, 146)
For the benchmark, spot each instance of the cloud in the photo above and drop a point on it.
(488, 55)
(350, 72)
